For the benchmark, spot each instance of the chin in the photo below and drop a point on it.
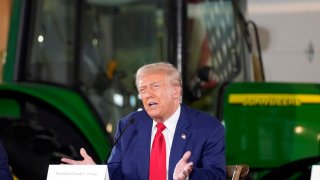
(154, 113)
(154, 116)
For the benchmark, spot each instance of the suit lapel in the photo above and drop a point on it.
(145, 137)
(180, 139)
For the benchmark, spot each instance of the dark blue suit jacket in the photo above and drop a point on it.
(4, 167)
(204, 137)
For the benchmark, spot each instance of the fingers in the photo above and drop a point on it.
(86, 159)
(181, 176)
(188, 168)
(185, 172)
(183, 167)
(69, 161)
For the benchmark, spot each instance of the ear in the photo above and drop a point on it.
(176, 92)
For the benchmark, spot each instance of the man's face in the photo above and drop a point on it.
(160, 99)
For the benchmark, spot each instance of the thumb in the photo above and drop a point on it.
(84, 154)
(186, 156)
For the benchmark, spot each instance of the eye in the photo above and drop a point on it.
(156, 86)
(142, 90)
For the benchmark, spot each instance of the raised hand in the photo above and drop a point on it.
(87, 160)
(183, 167)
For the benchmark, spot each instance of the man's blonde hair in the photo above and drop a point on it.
(168, 69)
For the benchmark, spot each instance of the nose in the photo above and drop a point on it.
(148, 93)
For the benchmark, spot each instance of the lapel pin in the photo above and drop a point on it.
(183, 136)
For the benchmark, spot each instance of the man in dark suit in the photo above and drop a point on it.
(4, 167)
(194, 141)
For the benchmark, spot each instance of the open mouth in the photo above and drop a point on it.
(152, 105)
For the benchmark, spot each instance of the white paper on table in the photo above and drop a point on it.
(78, 172)
(315, 172)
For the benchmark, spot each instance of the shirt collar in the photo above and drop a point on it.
(171, 122)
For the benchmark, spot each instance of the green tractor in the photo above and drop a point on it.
(272, 127)
(68, 79)
(68, 76)
(69, 65)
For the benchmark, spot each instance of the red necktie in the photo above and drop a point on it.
(158, 156)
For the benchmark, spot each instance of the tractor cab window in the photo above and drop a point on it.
(96, 46)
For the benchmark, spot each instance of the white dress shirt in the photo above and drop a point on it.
(168, 133)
